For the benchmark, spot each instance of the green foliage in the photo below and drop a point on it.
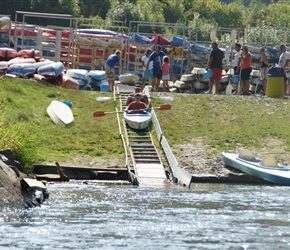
(125, 12)
(93, 8)
(277, 15)
(8, 134)
(26, 152)
(212, 13)
(173, 11)
(263, 34)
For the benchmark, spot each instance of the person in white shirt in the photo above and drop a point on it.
(283, 62)
(147, 74)
(237, 61)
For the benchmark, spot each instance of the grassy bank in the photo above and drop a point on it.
(220, 122)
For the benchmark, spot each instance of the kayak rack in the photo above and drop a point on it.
(146, 162)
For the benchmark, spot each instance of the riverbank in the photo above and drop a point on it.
(198, 128)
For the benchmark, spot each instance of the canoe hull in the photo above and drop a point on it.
(279, 175)
(137, 121)
(60, 113)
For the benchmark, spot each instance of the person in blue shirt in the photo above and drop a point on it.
(156, 57)
(112, 61)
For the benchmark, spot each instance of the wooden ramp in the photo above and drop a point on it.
(145, 159)
(151, 174)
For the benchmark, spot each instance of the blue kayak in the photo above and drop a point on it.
(274, 173)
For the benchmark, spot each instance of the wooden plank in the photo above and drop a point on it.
(27, 183)
(150, 171)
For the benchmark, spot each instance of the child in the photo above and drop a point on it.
(165, 73)
(147, 74)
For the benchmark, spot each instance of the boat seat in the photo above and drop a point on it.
(247, 155)
(270, 161)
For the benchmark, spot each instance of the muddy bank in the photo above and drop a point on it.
(15, 192)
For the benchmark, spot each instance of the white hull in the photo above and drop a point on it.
(137, 121)
(128, 78)
(60, 113)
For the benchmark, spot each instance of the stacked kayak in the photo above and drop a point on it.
(68, 82)
(22, 70)
(95, 78)
(79, 75)
(52, 70)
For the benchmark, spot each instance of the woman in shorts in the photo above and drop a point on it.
(246, 61)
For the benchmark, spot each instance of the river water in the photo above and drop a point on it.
(98, 216)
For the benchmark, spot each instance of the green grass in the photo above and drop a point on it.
(23, 104)
(227, 122)
(221, 122)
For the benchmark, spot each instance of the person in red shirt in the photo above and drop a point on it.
(136, 107)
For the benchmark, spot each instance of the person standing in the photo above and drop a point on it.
(246, 67)
(147, 74)
(112, 61)
(283, 62)
(156, 58)
(237, 62)
(214, 63)
(264, 69)
(165, 73)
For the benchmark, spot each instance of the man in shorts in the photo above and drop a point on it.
(113, 60)
(156, 57)
(215, 64)
(283, 62)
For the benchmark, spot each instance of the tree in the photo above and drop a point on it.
(91, 8)
(125, 12)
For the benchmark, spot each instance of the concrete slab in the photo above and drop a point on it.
(151, 174)
(154, 174)
(126, 88)
(149, 165)
(153, 182)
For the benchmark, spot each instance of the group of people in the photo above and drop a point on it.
(242, 67)
(155, 64)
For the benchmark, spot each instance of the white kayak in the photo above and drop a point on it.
(137, 121)
(60, 113)
(266, 168)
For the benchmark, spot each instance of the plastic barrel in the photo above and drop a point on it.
(275, 86)
(105, 86)
(207, 74)
(235, 79)
(68, 104)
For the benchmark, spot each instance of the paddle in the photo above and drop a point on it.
(229, 87)
(239, 90)
(107, 98)
(256, 88)
(103, 113)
